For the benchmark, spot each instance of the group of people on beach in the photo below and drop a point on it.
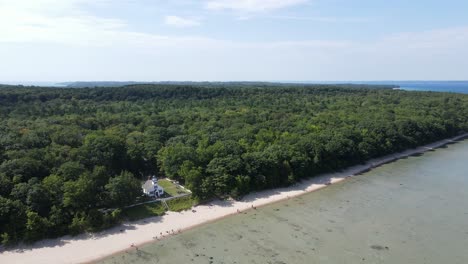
(172, 232)
(161, 235)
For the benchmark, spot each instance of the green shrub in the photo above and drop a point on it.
(180, 204)
(144, 211)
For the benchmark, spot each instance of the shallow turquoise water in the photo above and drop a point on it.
(434, 86)
(414, 210)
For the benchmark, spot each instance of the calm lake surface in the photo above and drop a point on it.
(414, 210)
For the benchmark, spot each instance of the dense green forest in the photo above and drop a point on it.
(67, 153)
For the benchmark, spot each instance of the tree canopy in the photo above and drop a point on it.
(66, 153)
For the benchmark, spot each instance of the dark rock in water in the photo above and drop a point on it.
(378, 247)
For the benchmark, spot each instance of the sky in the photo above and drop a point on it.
(233, 40)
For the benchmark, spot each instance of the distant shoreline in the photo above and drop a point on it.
(88, 248)
(447, 86)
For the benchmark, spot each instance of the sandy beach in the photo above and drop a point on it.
(127, 236)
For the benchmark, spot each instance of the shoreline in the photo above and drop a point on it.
(89, 248)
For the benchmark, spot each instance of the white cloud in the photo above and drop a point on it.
(51, 7)
(251, 5)
(54, 33)
(323, 19)
(57, 21)
(67, 22)
(177, 21)
(126, 55)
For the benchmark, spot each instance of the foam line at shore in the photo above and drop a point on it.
(89, 248)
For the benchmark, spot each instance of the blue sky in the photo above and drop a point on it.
(229, 40)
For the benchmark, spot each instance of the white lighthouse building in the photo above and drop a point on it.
(151, 188)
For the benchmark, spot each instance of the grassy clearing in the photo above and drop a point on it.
(181, 204)
(144, 211)
(157, 208)
(170, 188)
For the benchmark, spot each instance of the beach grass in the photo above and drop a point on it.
(157, 208)
(181, 203)
(144, 211)
(171, 188)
